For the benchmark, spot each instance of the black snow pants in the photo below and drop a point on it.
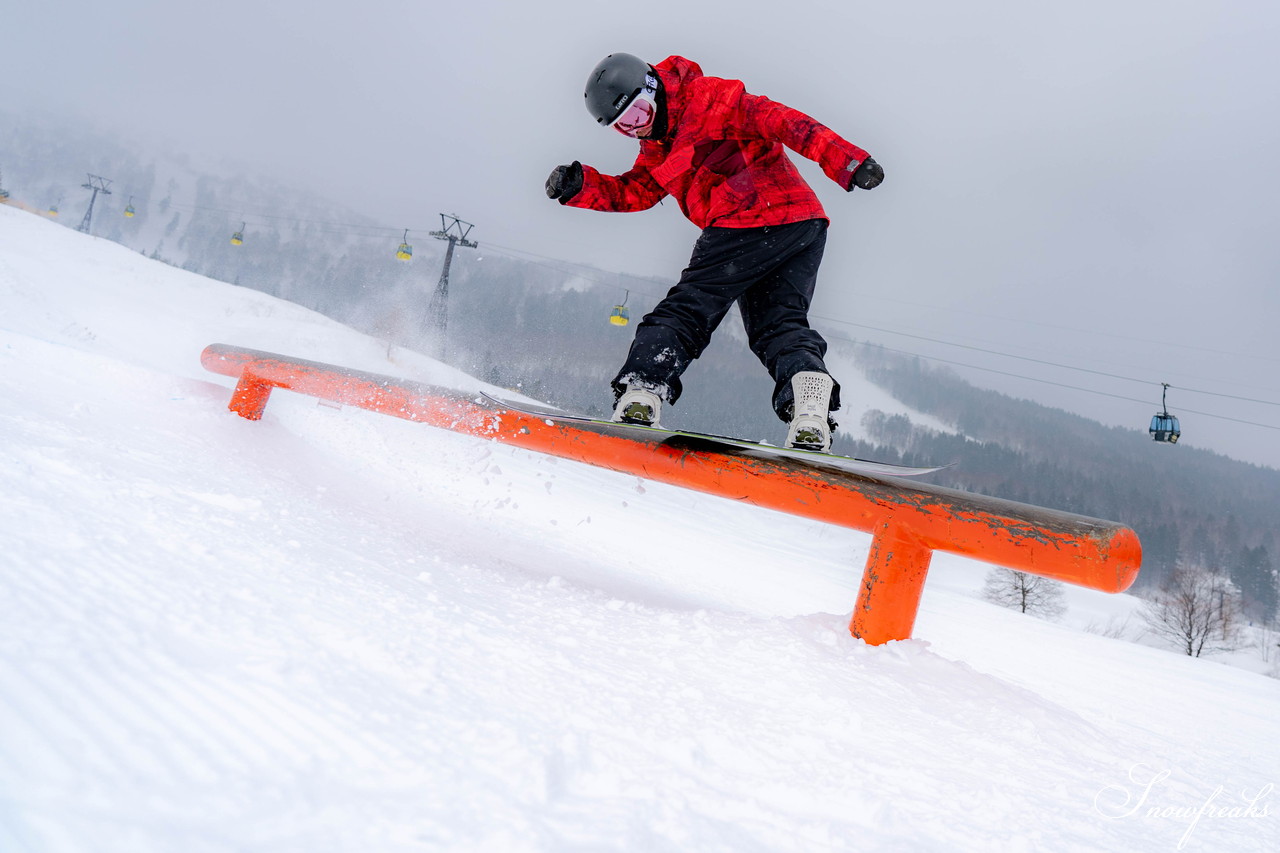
(770, 272)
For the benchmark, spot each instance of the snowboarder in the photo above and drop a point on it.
(718, 151)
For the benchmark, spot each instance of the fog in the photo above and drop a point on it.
(1079, 199)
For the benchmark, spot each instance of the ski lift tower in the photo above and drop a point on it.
(98, 185)
(455, 231)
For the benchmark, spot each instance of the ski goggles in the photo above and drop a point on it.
(639, 115)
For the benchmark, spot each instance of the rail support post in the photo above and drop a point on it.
(249, 399)
(892, 584)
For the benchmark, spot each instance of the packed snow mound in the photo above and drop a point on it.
(332, 631)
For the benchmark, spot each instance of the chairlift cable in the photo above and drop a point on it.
(1052, 364)
(1060, 327)
(1059, 384)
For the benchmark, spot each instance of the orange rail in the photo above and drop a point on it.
(908, 520)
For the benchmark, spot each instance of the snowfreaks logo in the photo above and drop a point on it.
(1116, 802)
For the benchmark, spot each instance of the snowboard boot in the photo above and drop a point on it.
(810, 425)
(639, 404)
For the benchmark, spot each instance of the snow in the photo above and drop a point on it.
(860, 396)
(332, 630)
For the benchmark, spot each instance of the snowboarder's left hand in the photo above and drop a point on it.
(565, 182)
(867, 176)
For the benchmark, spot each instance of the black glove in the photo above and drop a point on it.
(867, 176)
(565, 181)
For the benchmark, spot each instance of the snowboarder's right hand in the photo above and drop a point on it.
(565, 182)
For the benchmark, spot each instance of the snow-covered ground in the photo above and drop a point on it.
(336, 631)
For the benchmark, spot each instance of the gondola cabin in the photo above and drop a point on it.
(128, 210)
(620, 316)
(405, 252)
(237, 238)
(53, 210)
(1164, 427)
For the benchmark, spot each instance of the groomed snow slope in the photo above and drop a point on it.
(336, 631)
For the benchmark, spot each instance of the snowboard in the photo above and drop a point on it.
(721, 443)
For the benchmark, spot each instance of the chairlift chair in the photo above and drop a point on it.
(1164, 426)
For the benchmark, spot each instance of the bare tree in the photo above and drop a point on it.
(1196, 609)
(1026, 592)
(1115, 628)
(1268, 640)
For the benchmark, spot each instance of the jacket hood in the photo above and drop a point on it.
(676, 73)
(677, 70)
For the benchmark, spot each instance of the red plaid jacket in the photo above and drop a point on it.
(722, 158)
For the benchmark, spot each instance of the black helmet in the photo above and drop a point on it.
(613, 83)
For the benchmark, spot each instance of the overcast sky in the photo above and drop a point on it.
(1091, 184)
